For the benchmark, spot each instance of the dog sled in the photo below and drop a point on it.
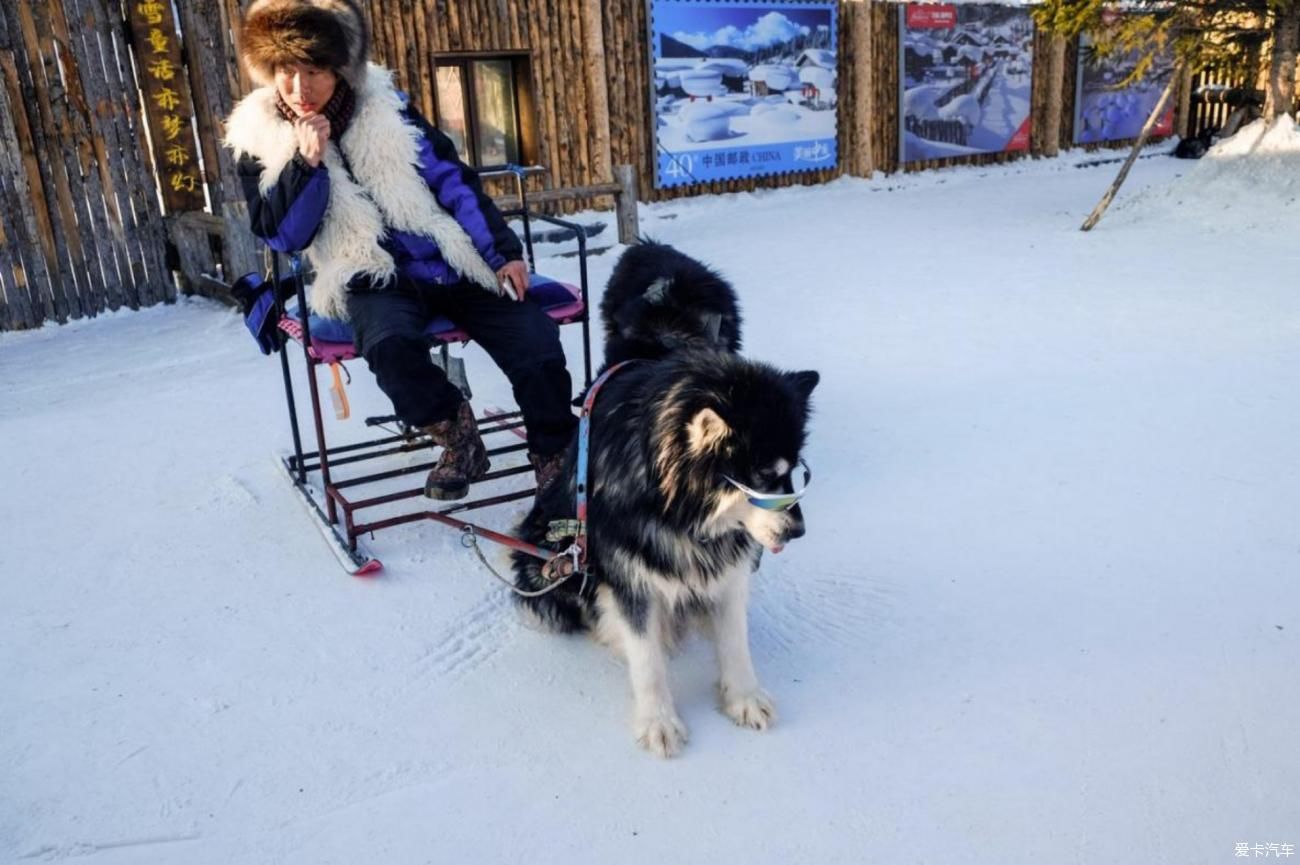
(356, 489)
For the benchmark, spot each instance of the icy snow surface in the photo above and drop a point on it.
(1046, 611)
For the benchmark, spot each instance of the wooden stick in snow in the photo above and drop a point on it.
(1095, 216)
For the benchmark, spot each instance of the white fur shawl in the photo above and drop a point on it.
(382, 151)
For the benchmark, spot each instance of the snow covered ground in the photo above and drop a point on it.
(1046, 611)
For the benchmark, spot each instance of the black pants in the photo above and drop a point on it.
(523, 341)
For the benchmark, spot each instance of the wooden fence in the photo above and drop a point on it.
(113, 187)
(1212, 114)
(80, 221)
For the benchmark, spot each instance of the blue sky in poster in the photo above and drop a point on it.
(748, 26)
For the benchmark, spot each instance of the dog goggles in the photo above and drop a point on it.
(774, 501)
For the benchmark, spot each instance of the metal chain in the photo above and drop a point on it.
(469, 539)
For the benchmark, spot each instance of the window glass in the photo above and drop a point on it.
(451, 107)
(495, 113)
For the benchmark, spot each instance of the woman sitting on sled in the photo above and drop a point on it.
(337, 164)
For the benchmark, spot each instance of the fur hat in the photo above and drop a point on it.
(328, 33)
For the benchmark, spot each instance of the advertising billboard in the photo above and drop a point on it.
(965, 79)
(742, 89)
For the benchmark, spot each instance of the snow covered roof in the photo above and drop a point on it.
(817, 57)
(730, 66)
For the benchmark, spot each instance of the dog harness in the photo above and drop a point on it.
(561, 567)
(558, 565)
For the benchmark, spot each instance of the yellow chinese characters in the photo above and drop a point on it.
(151, 11)
(167, 99)
(172, 126)
(183, 182)
(177, 154)
(158, 41)
(162, 69)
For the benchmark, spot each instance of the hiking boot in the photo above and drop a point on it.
(463, 460)
(547, 469)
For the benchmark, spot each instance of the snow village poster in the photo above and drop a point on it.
(965, 80)
(1103, 111)
(742, 89)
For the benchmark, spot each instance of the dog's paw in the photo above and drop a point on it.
(753, 709)
(663, 734)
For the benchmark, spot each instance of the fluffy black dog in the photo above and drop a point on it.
(671, 538)
(659, 300)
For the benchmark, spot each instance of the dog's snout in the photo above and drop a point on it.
(794, 527)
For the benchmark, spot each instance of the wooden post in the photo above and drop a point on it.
(113, 143)
(19, 202)
(1280, 89)
(1051, 145)
(153, 280)
(1095, 216)
(1183, 121)
(862, 54)
(625, 204)
(211, 66)
(190, 233)
(593, 43)
(54, 209)
(86, 298)
(103, 287)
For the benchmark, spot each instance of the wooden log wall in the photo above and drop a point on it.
(408, 36)
(80, 224)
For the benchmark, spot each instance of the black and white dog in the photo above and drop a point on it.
(659, 300)
(685, 453)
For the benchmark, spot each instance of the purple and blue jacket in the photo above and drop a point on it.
(288, 216)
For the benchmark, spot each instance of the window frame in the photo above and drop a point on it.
(520, 82)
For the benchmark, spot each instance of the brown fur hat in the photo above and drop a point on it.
(328, 33)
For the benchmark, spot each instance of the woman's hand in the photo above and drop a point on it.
(313, 131)
(514, 279)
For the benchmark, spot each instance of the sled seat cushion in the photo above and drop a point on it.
(331, 339)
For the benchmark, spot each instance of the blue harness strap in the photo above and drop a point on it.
(584, 450)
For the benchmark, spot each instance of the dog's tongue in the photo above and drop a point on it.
(776, 549)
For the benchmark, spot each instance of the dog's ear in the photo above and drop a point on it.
(803, 382)
(706, 431)
(657, 293)
(712, 323)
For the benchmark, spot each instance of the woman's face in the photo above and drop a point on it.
(305, 88)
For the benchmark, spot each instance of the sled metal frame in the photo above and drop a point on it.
(340, 516)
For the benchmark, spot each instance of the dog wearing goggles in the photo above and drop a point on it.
(695, 468)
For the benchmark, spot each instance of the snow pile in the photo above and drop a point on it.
(1249, 180)
(708, 121)
(769, 119)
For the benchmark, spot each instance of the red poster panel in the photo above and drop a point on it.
(931, 16)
